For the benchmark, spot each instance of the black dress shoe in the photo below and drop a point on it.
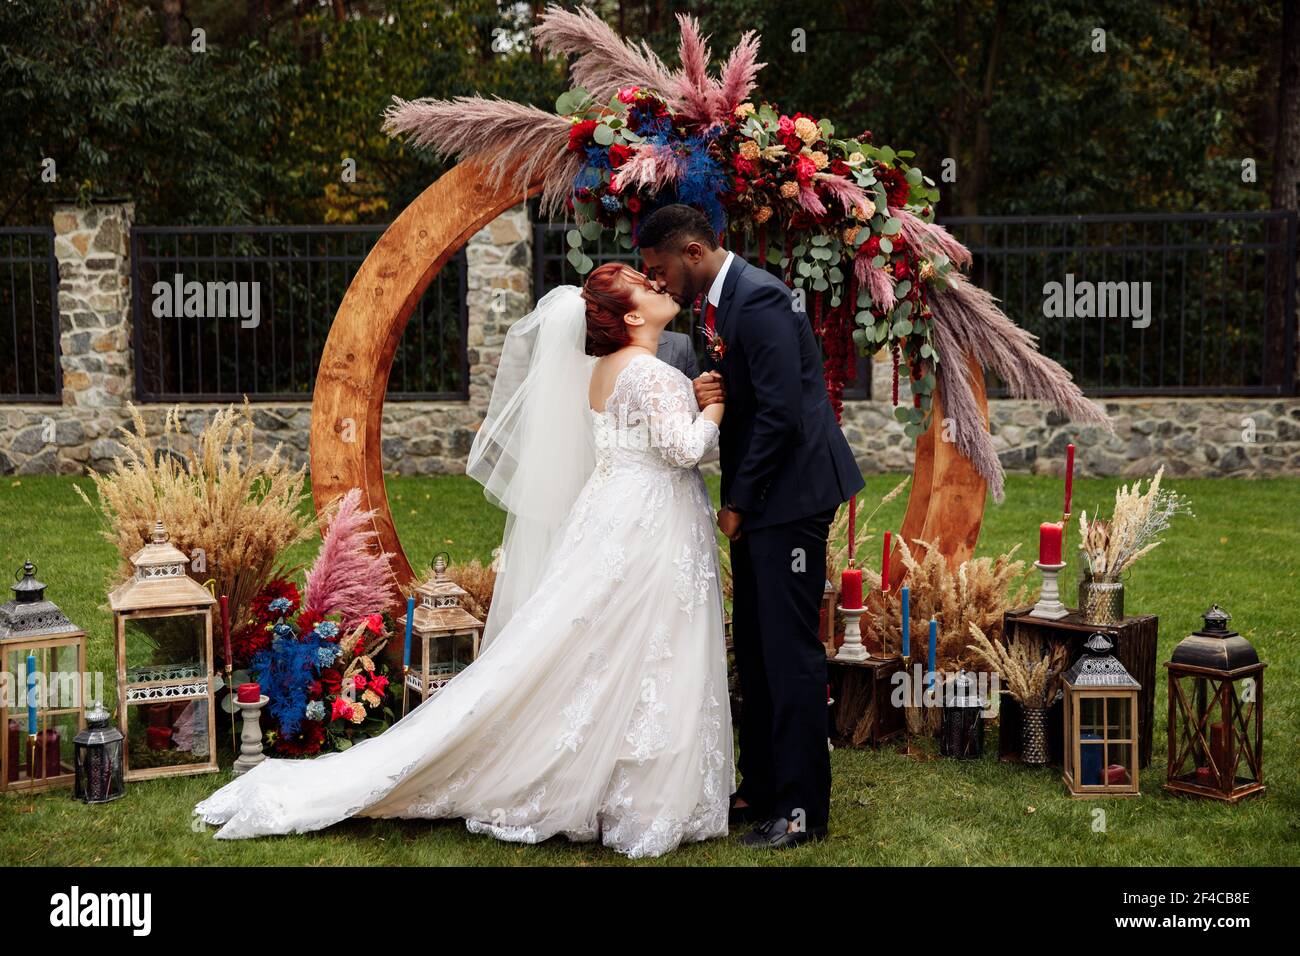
(775, 834)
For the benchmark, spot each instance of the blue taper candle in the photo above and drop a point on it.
(31, 694)
(906, 596)
(934, 646)
(410, 615)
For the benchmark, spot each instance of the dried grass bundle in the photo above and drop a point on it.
(238, 509)
(1110, 547)
(1030, 671)
(837, 541)
(978, 592)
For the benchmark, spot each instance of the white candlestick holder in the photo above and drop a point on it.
(250, 747)
(1049, 604)
(852, 649)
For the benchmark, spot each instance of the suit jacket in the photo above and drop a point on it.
(678, 350)
(783, 454)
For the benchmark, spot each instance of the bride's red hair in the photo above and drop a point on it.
(608, 292)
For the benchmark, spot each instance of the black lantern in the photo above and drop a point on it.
(98, 759)
(962, 733)
(1216, 713)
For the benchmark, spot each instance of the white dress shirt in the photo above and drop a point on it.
(715, 290)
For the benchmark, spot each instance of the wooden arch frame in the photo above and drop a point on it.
(946, 501)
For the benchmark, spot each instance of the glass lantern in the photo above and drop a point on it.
(42, 706)
(1216, 713)
(165, 682)
(1101, 723)
(98, 759)
(444, 637)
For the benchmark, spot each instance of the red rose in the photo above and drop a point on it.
(580, 133)
(619, 154)
(792, 144)
(900, 269)
(804, 168)
(633, 204)
(839, 167)
(871, 247)
(331, 680)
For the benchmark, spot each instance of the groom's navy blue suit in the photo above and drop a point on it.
(786, 468)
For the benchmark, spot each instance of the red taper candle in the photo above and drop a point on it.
(884, 565)
(853, 522)
(225, 628)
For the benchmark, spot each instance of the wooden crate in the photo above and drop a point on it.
(862, 715)
(1135, 646)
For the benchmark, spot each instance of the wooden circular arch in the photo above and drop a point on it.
(945, 504)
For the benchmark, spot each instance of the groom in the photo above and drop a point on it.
(786, 468)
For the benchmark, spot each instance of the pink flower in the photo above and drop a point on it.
(804, 168)
(785, 126)
(359, 682)
(627, 94)
(342, 708)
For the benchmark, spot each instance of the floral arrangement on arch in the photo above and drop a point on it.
(848, 221)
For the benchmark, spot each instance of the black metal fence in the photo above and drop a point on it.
(256, 318)
(1213, 328)
(29, 315)
(1210, 327)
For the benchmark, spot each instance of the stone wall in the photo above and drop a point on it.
(1191, 436)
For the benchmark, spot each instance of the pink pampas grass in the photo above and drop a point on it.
(879, 284)
(603, 62)
(929, 237)
(739, 74)
(694, 92)
(652, 166)
(349, 578)
(850, 194)
(809, 200)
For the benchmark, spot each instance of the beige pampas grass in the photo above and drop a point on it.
(978, 592)
(1111, 547)
(237, 509)
(1030, 671)
(837, 542)
(478, 581)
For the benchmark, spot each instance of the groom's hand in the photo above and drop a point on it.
(729, 523)
(710, 389)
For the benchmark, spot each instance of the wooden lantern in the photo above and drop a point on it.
(444, 636)
(34, 629)
(165, 680)
(1216, 714)
(1101, 723)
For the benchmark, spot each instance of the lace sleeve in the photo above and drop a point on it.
(677, 430)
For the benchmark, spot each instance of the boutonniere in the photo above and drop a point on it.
(714, 344)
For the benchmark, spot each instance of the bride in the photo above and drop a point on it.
(597, 707)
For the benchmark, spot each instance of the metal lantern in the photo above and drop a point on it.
(962, 731)
(165, 682)
(43, 703)
(1101, 723)
(98, 760)
(1216, 713)
(444, 636)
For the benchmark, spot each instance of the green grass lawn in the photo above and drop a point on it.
(1242, 550)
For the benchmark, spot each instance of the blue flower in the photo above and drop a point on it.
(326, 654)
(315, 710)
(327, 629)
(610, 203)
(280, 605)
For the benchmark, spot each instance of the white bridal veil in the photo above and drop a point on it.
(535, 449)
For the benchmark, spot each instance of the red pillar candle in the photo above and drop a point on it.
(1049, 543)
(1069, 476)
(158, 738)
(851, 588)
(884, 566)
(249, 693)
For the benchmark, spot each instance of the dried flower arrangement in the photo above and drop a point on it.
(1030, 671)
(233, 510)
(978, 592)
(478, 580)
(1111, 547)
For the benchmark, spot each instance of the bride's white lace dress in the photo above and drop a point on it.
(600, 711)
